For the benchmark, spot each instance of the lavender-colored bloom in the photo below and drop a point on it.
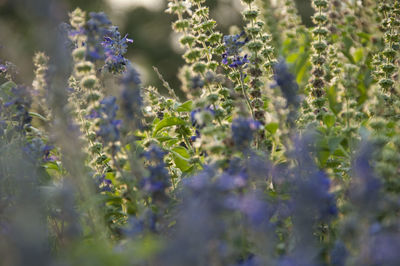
(97, 19)
(139, 225)
(233, 44)
(243, 130)
(298, 260)
(250, 261)
(235, 177)
(256, 209)
(109, 125)
(115, 47)
(201, 180)
(239, 61)
(131, 98)
(37, 151)
(96, 28)
(286, 82)
(104, 42)
(103, 183)
(312, 198)
(229, 181)
(3, 68)
(339, 254)
(46, 153)
(365, 191)
(382, 249)
(158, 179)
(233, 47)
(135, 227)
(154, 154)
(18, 106)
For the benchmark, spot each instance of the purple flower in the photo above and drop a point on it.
(311, 197)
(339, 254)
(18, 106)
(158, 179)
(104, 184)
(255, 209)
(243, 130)
(233, 47)
(46, 153)
(114, 49)
(286, 82)
(108, 124)
(3, 68)
(96, 28)
(131, 98)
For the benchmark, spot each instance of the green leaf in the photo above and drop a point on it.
(333, 143)
(272, 127)
(323, 156)
(52, 165)
(358, 55)
(168, 122)
(329, 120)
(162, 139)
(185, 107)
(181, 158)
(38, 116)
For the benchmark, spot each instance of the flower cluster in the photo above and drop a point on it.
(114, 49)
(96, 29)
(243, 130)
(232, 53)
(108, 124)
(157, 180)
(234, 174)
(287, 83)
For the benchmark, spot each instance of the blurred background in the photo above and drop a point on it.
(145, 21)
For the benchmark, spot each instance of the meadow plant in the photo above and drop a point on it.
(284, 150)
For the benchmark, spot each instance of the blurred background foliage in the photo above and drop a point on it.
(155, 44)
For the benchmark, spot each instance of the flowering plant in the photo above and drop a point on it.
(284, 150)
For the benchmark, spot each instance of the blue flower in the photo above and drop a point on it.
(37, 151)
(312, 198)
(286, 82)
(339, 254)
(382, 249)
(18, 106)
(158, 179)
(3, 68)
(46, 153)
(103, 183)
(255, 208)
(243, 130)
(96, 28)
(239, 61)
(115, 47)
(235, 177)
(251, 260)
(109, 125)
(233, 47)
(233, 44)
(131, 98)
(365, 189)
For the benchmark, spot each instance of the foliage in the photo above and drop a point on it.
(284, 151)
